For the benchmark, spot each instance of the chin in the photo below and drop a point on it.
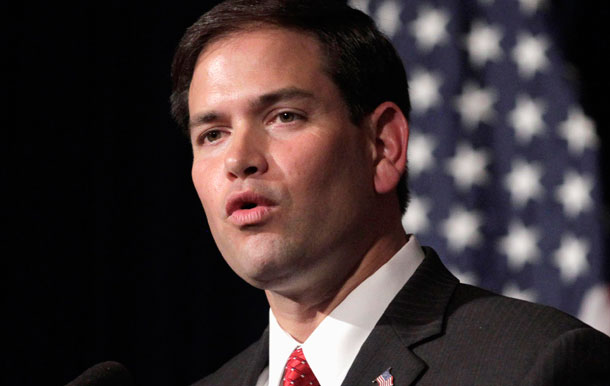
(264, 265)
(264, 275)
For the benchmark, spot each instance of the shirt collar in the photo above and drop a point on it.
(334, 344)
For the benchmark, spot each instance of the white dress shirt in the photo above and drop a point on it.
(334, 344)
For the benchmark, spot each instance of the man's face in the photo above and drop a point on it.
(284, 176)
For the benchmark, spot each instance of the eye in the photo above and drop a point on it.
(210, 136)
(287, 116)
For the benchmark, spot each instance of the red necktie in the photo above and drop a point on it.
(297, 371)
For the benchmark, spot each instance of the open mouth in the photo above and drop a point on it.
(245, 201)
(248, 205)
(245, 209)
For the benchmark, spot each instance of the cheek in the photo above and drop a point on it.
(317, 164)
(307, 164)
(205, 184)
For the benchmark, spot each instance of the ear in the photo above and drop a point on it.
(391, 136)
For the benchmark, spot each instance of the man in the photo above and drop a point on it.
(297, 113)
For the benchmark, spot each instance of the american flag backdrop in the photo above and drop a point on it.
(503, 162)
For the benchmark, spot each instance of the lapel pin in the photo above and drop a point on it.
(385, 379)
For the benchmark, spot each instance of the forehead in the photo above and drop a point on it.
(252, 59)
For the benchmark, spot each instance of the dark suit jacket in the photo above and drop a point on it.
(437, 331)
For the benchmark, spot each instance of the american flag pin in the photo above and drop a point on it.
(385, 379)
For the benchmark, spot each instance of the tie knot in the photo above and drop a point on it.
(297, 371)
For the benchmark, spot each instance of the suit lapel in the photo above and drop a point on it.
(383, 349)
(259, 361)
(416, 314)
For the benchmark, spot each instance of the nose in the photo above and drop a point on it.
(246, 155)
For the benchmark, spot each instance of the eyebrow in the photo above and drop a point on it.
(200, 119)
(288, 93)
(281, 94)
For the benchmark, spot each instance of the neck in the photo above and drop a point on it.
(299, 316)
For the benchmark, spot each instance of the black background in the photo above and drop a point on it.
(107, 253)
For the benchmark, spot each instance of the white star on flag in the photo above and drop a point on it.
(475, 105)
(529, 7)
(512, 290)
(362, 5)
(530, 54)
(579, 131)
(430, 27)
(424, 90)
(526, 118)
(415, 220)
(468, 166)
(483, 43)
(523, 182)
(467, 277)
(461, 229)
(595, 306)
(575, 193)
(388, 17)
(419, 153)
(571, 257)
(520, 245)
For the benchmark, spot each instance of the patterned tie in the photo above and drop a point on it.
(297, 371)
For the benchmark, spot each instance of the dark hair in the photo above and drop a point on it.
(358, 57)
